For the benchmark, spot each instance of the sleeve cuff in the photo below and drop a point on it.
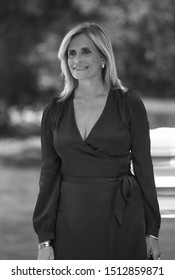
(152, 231)
(45, 236)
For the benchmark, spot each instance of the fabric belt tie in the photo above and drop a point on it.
(124, 194)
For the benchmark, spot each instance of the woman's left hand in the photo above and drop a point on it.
(153, 247)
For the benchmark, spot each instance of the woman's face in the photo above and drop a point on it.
(84, 60)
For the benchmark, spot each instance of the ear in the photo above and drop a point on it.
(103, 62)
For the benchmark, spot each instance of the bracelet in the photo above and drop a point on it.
(44, 244)
(153, 236)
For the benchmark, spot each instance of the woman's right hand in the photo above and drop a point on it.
(46, 253)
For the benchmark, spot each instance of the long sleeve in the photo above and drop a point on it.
(46, 206)
(142, 162)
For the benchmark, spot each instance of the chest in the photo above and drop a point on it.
(87, 114)
(97, 126)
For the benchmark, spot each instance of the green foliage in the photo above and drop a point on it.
(142, 33)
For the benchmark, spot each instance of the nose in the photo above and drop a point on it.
(77, 57)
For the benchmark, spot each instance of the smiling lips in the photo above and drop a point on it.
(80, 68)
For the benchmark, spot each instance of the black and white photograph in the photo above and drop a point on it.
(87, 130)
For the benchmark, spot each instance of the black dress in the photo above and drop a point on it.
(90, 204)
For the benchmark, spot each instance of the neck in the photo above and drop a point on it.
(90, 89)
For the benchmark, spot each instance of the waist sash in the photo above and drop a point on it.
(124, 192)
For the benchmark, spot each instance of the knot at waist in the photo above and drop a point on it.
(123, 195)
(123, 192)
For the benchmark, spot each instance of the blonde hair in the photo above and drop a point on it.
(100, 39)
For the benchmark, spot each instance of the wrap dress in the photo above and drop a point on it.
(91, 203)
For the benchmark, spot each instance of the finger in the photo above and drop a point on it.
(149, 251)
(159, 256)
(156, 255)
(51, 256)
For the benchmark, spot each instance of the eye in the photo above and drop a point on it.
(71, 53)
(86, 51)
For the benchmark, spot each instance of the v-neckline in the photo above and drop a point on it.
(95, 123)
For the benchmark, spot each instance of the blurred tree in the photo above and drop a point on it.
(143, 36)
(142, 33)
(30, 31)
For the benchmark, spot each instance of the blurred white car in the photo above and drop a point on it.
(163, 155)
(163, 142)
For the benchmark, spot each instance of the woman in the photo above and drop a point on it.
(90, 205)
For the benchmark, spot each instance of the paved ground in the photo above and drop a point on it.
(167, 239)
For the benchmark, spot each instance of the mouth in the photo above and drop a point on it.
(80, 68)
